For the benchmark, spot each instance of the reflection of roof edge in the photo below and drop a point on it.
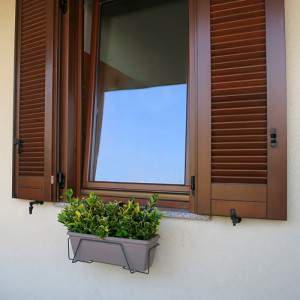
(144, 87)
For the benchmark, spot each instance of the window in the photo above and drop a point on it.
(185, 98)
(139, 112)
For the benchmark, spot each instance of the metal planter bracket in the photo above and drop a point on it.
(75, 259)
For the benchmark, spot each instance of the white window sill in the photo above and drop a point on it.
(168, 213)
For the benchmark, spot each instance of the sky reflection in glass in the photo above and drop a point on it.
(143, 136)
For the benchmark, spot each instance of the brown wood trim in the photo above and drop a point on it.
(126, 194)
(50, 95)
(277, 111)
(16, 95)
(91, 90)
(78, 93)
(64, 129)
(55, 102)
(67, 109)
(192, 102)
(203, 71)
(138, 187)
(239, 192)
(244, 209)
(51, 99)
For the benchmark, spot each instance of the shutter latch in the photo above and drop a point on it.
(273, 136)
(64, 6)
(234, 217)
(61, 180)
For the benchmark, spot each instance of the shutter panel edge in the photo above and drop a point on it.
(277, 109)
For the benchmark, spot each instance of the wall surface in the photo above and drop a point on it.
(196, 260)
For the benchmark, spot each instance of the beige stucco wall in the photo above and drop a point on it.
(196, 260)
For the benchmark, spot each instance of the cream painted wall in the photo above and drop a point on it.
(196, 260)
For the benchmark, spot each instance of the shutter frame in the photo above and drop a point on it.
(277, 109)
(201, 84)
(255, 196)
(35, 99)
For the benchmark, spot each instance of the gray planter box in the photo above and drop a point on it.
(134, 255)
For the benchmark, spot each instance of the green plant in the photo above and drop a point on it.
(92, 216)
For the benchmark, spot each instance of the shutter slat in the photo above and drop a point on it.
(237, 56)
(239, 138)
(221, 118)
(256, 61)
(239, 131)
(245, 106)
(237, 8)
(239, 97)
(237, 166)
(238, 43)
(230, 38)
(232, 17)
(238, 70)
(240, 124)
(238, 49)
(239, 145)
(238, 179)
(236, 26)
(240, 29)
(239, 159)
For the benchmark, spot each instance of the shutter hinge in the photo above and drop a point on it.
(61, 180)
(32, 203)
(19, 143)
(193, 183)
(64, 6)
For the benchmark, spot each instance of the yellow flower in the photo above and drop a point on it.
(78, 214)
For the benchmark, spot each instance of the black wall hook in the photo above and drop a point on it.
(234, 217)
(32, 203)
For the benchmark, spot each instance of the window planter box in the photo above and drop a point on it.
(134, 255)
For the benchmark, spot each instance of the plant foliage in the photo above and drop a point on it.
(92, 216)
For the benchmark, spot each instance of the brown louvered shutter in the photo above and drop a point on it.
(248, 108)
(35, 94)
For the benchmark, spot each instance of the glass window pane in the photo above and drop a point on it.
(139, 131)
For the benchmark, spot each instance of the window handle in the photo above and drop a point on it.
(193, 183)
